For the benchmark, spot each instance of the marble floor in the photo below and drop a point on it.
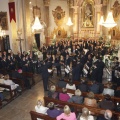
(19, 108)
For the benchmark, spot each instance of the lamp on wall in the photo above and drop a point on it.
(69, 22)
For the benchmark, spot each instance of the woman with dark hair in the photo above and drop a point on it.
(52, 111)
(106, 103)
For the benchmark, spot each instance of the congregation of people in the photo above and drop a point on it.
(83, 61)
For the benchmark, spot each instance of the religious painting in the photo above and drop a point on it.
(115, 33)
(36, 12)
(58, 15)
(88, 13)
(59, 33)
(116, 10)
(3, 20)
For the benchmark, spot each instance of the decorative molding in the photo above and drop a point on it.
(59, 33)
(88, 13)
(4, 20)
(115, 33)
(46, 2)
(116, 10)
(36, 12)
(58, 15)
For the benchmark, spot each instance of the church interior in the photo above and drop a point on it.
(60, 59)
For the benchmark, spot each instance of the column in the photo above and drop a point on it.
(75, 26)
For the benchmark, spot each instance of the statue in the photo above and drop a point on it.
(88, 14)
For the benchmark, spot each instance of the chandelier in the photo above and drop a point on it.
(109, 23)
(37, 24)
(69, 23)
(101, 21)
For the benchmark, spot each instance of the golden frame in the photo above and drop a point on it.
(4, 20)
(36, 12)
(88, 12)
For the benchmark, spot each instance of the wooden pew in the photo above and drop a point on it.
(35, 115)
(19, 82)
(29, 75)
(78, 107)
(78, 83)
(84, 94)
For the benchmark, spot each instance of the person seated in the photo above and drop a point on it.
(107, 103)
(107, 116)
(63, 96)
(77, 98)
(1, 82)
(70, 85)
(85, 115)
(52, 92)
(7, 81)
(67, 115)
(94, 87)
(83, 87)
(40, 108)
(90, 101)
(52, 111)
(62, 83)
(108, 90)
(117, 92)
(18, 74)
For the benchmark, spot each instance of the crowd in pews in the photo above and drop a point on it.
(58, 111)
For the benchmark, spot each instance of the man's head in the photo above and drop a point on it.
(108, 114)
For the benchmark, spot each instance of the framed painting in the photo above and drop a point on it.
(3, 20)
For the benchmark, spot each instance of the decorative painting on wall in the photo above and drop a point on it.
(3, 20)
(88, 14)
(116, 10)
(58, 15)
(36, 12)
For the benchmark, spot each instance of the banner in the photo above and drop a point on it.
(12, 11)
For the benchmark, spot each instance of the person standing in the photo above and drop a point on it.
(45, 76)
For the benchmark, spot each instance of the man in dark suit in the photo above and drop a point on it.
(107, 116)
(83, 87)
(62, 83)
(45, 76)
(94, 87)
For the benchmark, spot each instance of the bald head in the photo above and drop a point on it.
(108, 114)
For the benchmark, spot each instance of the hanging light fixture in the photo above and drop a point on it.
(101, 21)
(69, 23)
(109, 23)
(37, 25)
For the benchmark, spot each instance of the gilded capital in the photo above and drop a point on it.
(46, 2)
(70, 3)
